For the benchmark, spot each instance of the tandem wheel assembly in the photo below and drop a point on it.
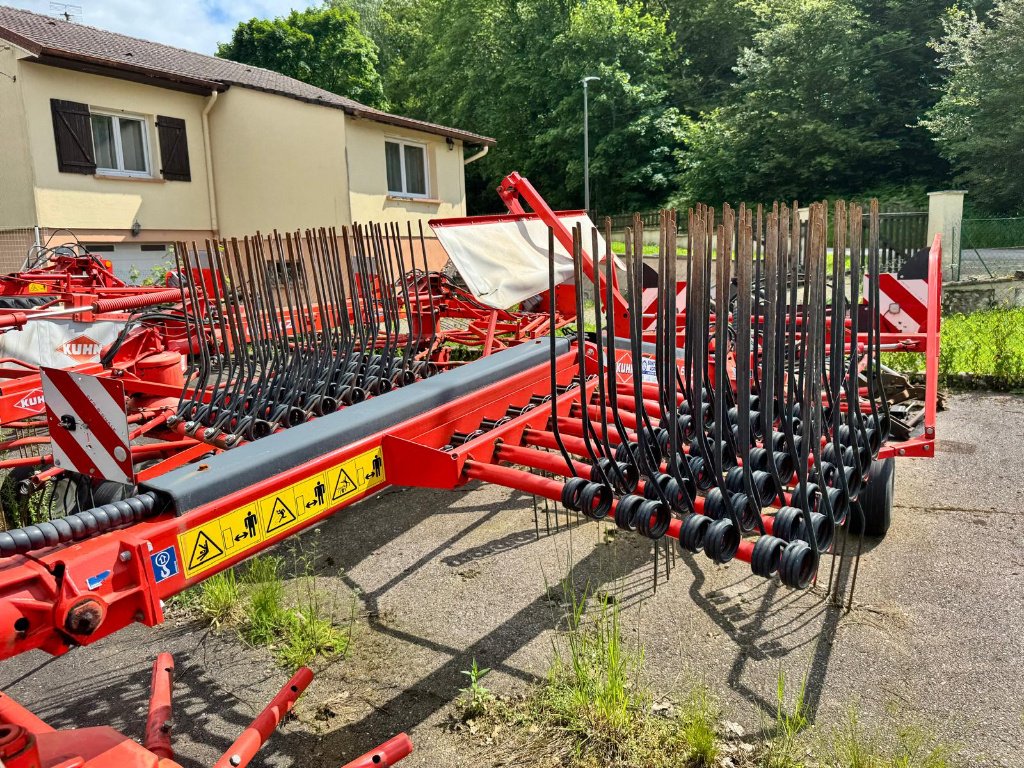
(876, 500)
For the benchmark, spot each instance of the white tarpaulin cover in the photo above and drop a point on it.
(506, 262)
(58, 343)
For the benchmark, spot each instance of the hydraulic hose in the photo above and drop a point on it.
(80, 525)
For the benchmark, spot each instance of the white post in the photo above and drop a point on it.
(945, 217)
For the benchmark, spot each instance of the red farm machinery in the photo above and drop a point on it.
(736, 408)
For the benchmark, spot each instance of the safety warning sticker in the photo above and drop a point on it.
(241, 529)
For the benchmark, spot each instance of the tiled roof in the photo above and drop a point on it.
(49, 38)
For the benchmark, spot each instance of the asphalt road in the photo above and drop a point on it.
(934, 637)
(982, 263)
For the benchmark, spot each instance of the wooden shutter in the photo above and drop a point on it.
(173, 148)
(72, 131)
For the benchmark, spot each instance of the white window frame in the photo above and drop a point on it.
(118, 152)
(402, 144)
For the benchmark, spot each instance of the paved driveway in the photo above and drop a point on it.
(935, 636)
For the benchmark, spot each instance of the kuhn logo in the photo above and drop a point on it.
(32, 402)
(81, 349)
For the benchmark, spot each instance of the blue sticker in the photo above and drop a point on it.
(648, 369)
(95, 581)
(165, 564)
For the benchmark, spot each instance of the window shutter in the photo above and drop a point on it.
(173, 148)
(72, 132)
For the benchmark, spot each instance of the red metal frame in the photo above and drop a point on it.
(28, 742)
(926, 341)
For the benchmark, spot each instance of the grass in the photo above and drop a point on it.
(594, 709)
(294, 620)
(219, 599)
(781, 749)
(910, 747)
(987, 345)
(619, 247)
(700, 719)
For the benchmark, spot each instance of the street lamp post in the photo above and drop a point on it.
(586, 144)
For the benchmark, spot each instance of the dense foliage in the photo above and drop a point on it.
(979, 120)
(325, 47)
(708, 99)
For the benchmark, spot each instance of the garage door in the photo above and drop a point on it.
(135, 262)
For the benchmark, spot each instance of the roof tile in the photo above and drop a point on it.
(56, 37)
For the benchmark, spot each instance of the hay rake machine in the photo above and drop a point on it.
(742, 414)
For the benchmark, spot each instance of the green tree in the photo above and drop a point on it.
(512, 70)
(978, 122)
(708, 37)
(818, 107)
(323, 46)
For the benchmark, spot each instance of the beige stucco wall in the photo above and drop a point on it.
(368, 175)
(17, 207)
(278, 163)
(84, 201)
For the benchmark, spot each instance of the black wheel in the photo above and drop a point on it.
(876, 500)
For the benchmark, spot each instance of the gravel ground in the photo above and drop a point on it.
(934, 636)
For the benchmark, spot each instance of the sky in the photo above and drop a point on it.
(197, 25)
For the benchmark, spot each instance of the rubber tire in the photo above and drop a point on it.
(876, 500)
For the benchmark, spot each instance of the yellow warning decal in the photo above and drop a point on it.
(37, 288)
(241, 529)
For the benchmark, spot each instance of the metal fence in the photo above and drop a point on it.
(14, 245)
(900, 234)
(623, 220)
(991, 247)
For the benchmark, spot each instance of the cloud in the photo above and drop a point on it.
(197, 25)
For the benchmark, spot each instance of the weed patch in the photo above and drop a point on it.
(909, 747)
(291, 617)
(984, 347)
(594, 710)
(476, 697)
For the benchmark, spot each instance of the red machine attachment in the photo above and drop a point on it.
(28, 742)
(745, 418)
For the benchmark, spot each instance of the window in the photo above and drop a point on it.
(120, 144)
(407, 168)
(89, 141)
(285, 274)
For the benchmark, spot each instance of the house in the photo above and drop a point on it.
(134, 145)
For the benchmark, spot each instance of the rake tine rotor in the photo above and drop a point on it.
(234, 348)
(205, 412)
(194, 329)
(408, 374)
(315, 342)
(346, 378)
(751, 495)
(553, 364)
(388, 304)
(667, 368)
(253, 426)
(588, 428)
(625, 456)
(619, 474)
(669, 376)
